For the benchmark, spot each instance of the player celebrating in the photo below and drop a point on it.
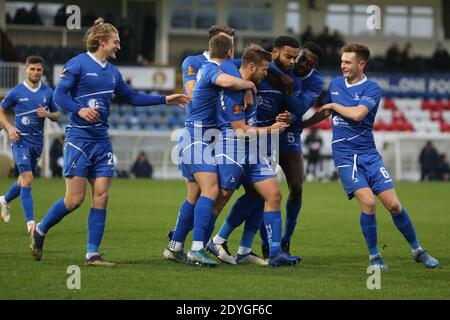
(197, 160)
(353, 103)
(87, 84)
(308, 87)
(239, 163)
(189, 70)
(32, 102)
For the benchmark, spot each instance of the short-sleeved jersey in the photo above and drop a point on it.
(189, 69)
(202, 112)
(24, 101)
(231, 104)
(270, 102)
(308, 90)
(349, 136)
(91, 84)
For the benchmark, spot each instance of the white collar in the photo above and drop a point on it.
(102, 64)
(31, 89)
(206, 54)
(348, 85)
(308, 75)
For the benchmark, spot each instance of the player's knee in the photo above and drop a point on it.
(26, 181)
(212, 192)
(394, 207)
(101, 198)
(274, 197)
(74, 200)
(369, 205)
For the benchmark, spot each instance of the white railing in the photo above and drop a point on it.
(11, 73)
(400, 151)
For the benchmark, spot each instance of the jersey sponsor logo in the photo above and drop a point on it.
(190, 71)
(24, 99)
(92, 74)
(237, 109)
(335, 93)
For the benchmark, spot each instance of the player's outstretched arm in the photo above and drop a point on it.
(229, 82)
(242, 129)
(178, 99)
(13, 132)
(355, 113)
(316, 118)
(142, 99)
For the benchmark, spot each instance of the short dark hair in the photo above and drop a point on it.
(314, 48)
(360, 50)
(216, 29)
(34, 60)
(219, 46)
(282, 41)
(256, 54)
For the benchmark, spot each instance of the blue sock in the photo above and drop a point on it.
(26, 198)
(368, 224)
(226, 230)
(203, 212)
(53, 216)
(12, 193)
(243, 207)
(96, 228)
(405, 226)
(292, 212)
(263, 235)
(185, 221)
(272, 222)
(210, 230)
(251, 227)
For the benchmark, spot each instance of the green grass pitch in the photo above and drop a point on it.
(328, 237)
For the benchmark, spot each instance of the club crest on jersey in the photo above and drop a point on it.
(237, 109)
(190, 71)
(93, 103)
(25, 121)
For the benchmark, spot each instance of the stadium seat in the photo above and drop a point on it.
(389, 104)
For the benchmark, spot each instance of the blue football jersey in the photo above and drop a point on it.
(231, 104)
(307, 89)
(189, 69)
(24, 101)
(202, 112)
(270, 102)
(349, 136)
(92, 84)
